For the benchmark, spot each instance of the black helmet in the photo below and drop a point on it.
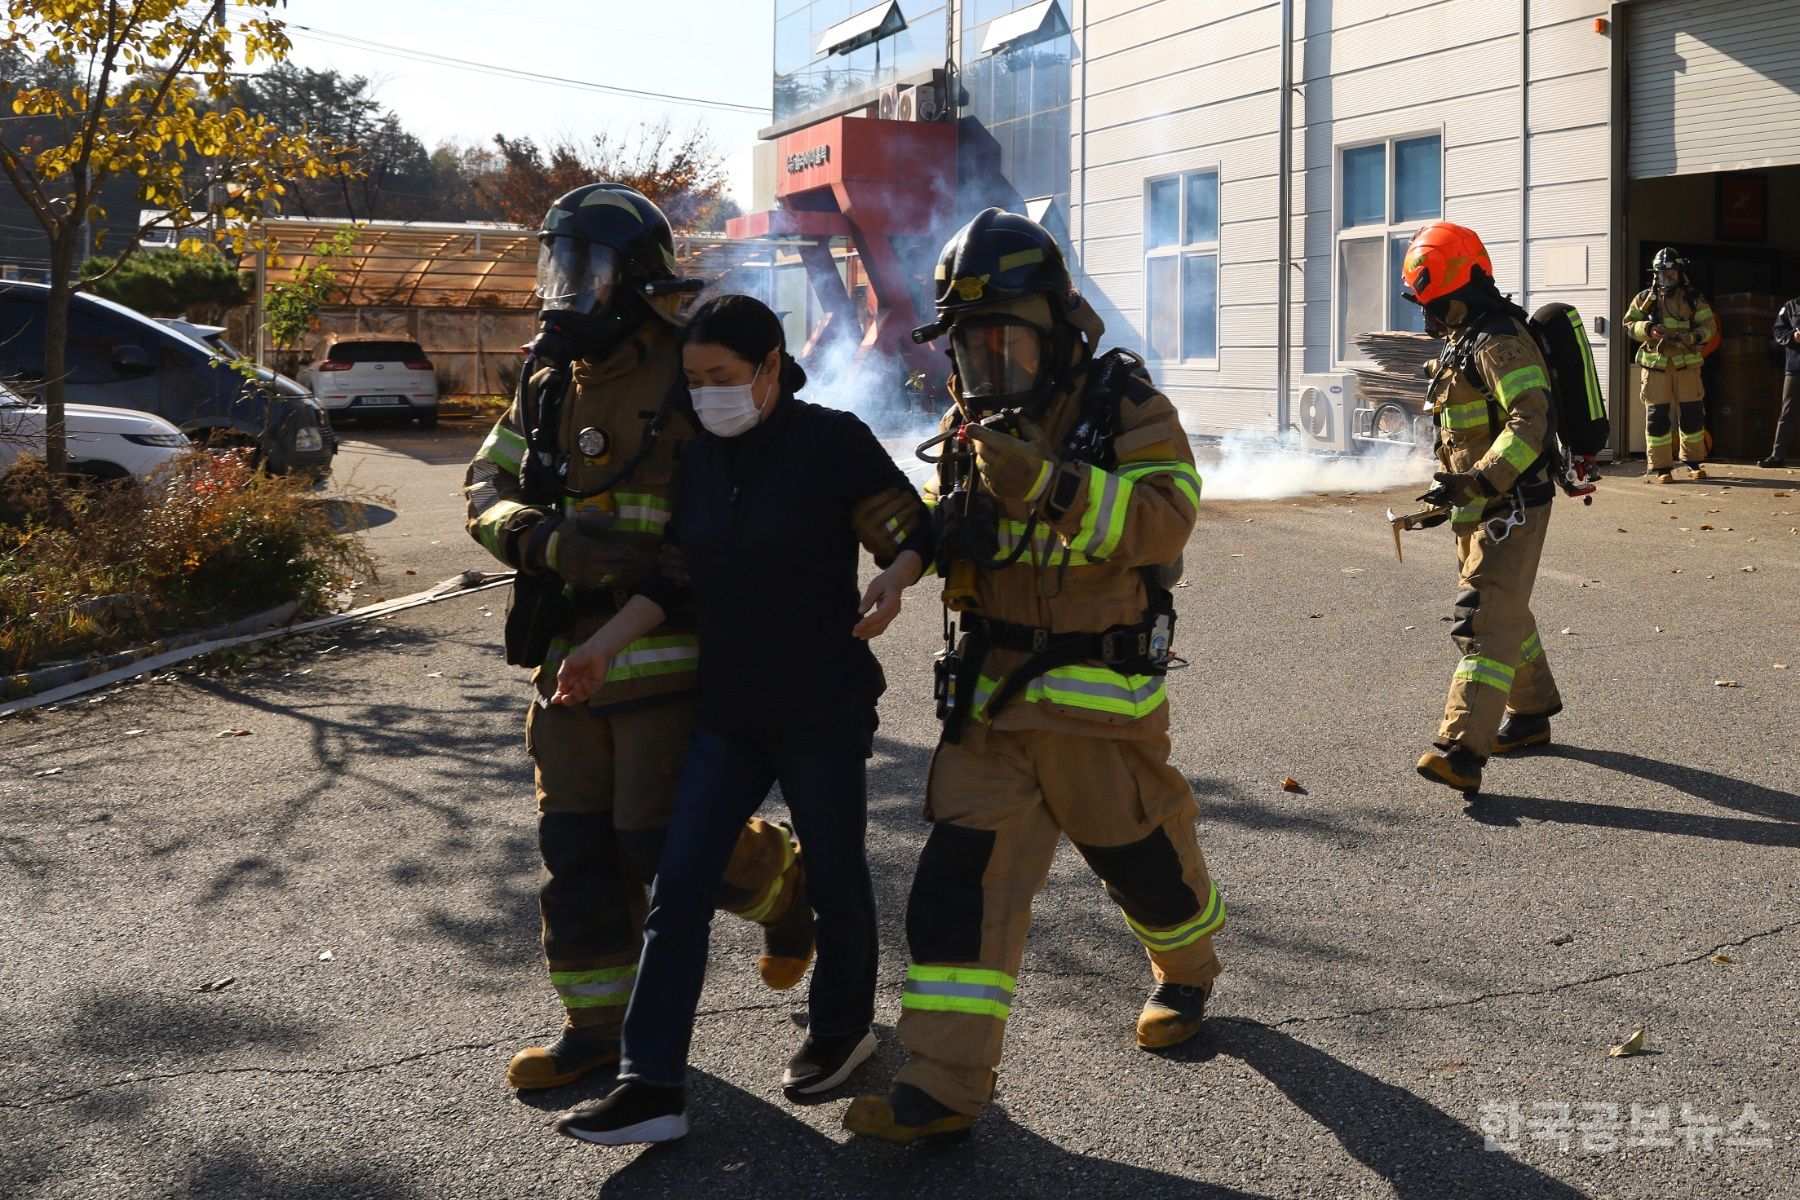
(605, 248)
(997, 258)
(1004, 358)
(1669, 259)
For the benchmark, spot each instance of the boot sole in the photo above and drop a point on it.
(656, 1129)
(1466, 786)
(861, 1054)
(870, 1116)
(1164, 1037)
(1536, 739)
(539, 1083)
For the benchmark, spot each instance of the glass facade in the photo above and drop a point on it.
(806, 80)
(1388, 190)
(1017, 101)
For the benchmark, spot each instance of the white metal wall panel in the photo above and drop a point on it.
(1568, 49)
(1114, 28)
(1570, 101)
(1713, 86)
(1570, 156)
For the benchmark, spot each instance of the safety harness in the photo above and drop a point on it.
(1525, 492)
(1136, 649)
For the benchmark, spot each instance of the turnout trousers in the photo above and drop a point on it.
(1674, 398)
(605, 793)
(1503, 668)
(999, 802)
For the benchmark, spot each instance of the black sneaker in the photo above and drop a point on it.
(1774, 462)
(822, 1063)
(631, 1113)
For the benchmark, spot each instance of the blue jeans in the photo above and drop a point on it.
(823, 775)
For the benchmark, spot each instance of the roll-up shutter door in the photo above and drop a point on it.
(1714, 86)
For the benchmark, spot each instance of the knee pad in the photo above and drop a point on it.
(944, 911)
(1144, 878)
(1656, 420)
(1468, 601)
(1693, 417)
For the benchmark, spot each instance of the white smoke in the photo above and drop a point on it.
(1246, 466)
(875, 390)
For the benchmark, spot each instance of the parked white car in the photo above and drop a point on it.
(369, 376)
(104, 443)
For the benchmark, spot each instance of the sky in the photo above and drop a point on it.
(707, 49)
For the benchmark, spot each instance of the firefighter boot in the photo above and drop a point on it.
(788, 939)
(1520, 730)
(1451, 765)
(574, 1053)
(905, 1115)
(1171, 1015)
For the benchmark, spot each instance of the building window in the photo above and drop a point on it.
(1181, 267)
(1385, 192)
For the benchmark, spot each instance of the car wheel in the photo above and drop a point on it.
(428, 420)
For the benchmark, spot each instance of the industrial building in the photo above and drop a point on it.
(1233, 181)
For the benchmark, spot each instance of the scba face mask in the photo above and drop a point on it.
(587, 312)
(1001, 362)
(728, 411)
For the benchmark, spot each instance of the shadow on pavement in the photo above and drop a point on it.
(1713, 788)
(742, 1145)
(1508, 811)
(234, 1173)
(1421, 1151)
(131, 1025)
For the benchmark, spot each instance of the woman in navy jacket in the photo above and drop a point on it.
(772, 503)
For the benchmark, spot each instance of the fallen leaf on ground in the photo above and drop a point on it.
(218, 985)
(1631, 1045)
(1748, 570)
(1723, 958)
(229, 733)
(410, 571)
(1706, 527)
(1781, 495)
(1781, 666)
(47, 771)
(1726, 683)
(1290, 784)
(136, 732)
(325, 956)
(434, 674)
(1562, 939)
(1568, 631)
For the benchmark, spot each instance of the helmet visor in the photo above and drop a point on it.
(576, 274)
(997, 357)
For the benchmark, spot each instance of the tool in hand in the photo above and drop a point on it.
(1436, 512)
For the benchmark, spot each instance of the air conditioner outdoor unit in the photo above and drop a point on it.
(1324, 408)
(906, 108)
(888, 108)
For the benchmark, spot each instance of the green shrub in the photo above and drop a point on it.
(88, 568)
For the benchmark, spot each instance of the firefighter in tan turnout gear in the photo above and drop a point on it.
(572, 488)
(1490, 397)
(1065, 495)
(1673, 321)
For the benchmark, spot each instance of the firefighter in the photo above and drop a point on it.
(1490, 398)
(1062, 520)
(573, 489)
(1673, 321)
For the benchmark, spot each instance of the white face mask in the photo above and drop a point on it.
(728, 411)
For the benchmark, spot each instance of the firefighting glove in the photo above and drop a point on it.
(1011, 468)
(1462, 487)
(583, 550)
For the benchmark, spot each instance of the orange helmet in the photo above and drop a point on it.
(1441, 258)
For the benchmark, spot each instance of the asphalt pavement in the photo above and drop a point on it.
(294, 961)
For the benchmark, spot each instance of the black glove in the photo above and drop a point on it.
(583, 551)
(1458, 487)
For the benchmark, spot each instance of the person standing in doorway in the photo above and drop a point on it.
(1671, 320)
(1787, 337)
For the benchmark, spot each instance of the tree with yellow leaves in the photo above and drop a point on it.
(140, 90)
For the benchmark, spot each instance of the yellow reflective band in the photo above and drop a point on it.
(1477, 669)
(1470, 513)
(491, 525)
(1047, 546)
(1694, 439)
(1099, 689)
(1532, 649)
(1515, 450)
(1591, 380)
(1185, 478)
(1672, 323)
(1021, 258)
(669, 654)
(1659, 439)
(1210, 921)
(1038, 484)
(1514, 384)
(1103, 521)
(604, 988)
(969, 990)
(503, 448)
(1466, 415)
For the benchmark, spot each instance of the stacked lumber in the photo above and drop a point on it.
(1398, 376)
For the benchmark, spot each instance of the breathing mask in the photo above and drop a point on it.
(588, 311)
